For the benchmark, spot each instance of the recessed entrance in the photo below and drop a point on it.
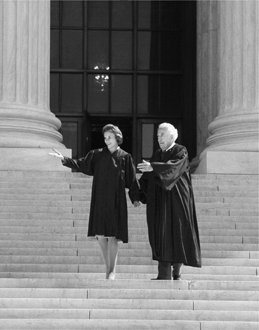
(129, 63)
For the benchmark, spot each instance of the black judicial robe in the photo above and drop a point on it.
(112, 173)
(171, 216)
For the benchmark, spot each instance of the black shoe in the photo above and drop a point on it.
(177, 277)
(161, 279)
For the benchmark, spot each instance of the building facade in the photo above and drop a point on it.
(70, 67)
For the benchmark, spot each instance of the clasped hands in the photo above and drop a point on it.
(145, 167)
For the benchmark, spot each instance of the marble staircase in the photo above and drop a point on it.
(52, 275)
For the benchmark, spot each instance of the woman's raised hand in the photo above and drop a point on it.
(56, 154)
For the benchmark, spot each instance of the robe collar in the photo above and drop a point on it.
(171, 146)
(164, 152)
(114, 152)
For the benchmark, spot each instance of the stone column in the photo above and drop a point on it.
(28, 129)
(232, 145)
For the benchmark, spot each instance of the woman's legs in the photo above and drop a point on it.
(103, 242)
(109, 247)
(113, 247)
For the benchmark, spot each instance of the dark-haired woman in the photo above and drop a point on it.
(113, 170)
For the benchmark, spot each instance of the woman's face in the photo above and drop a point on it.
(110, 141)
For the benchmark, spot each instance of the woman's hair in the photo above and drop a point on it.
(173, 131)
(115, 130)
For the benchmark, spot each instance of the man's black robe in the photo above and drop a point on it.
(112, 173)
(171, 217)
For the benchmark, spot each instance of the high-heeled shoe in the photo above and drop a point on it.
(111, 276)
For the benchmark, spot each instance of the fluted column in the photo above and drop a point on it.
(232, 145)
(27, 126)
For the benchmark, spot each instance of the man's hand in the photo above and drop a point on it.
(136, 204)
(56, 154)
(145, 167)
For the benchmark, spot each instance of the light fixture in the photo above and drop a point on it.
(101, 79)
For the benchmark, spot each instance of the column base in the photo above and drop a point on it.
(228, 162)
(31, 159)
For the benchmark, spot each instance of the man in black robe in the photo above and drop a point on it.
(171, 217)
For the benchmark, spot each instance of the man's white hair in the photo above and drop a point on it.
(173, 131)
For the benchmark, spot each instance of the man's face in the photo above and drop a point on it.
(165, 139)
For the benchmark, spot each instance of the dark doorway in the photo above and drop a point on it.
(129, 63)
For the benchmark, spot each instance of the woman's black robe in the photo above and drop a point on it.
(112, 173)
(171, 216)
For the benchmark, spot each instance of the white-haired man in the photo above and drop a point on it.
(171, 217)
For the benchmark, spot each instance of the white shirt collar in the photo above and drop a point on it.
(171, 146)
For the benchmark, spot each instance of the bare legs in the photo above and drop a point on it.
(109, 247)
(113, 255)
(103, 243)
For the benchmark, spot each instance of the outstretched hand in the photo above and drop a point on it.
(145, 167)
(56, 154)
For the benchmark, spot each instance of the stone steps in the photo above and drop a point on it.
(74, 220)
(52, 275)
(216, 273)
(122, 260)
(208, 243)
(60, 176)
(69, 206)
(143, 314)
(237, 281)
(81, 212)
(117, 324)
(241, 280)
(127, 304)
(138, 224)
(65, 196)
(200, 202)
(136, 235)
(133, 215)
(85, 281)
(253, 248)
(232, 243)
(172, 294)
(86, 193)
(238, 242)
(16, 251)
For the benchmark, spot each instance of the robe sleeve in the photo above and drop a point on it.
(167, 174)
(84, 165)
(131, 181)
(143, 182)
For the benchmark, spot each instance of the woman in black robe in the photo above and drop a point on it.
(113, 171)
(171, 217)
